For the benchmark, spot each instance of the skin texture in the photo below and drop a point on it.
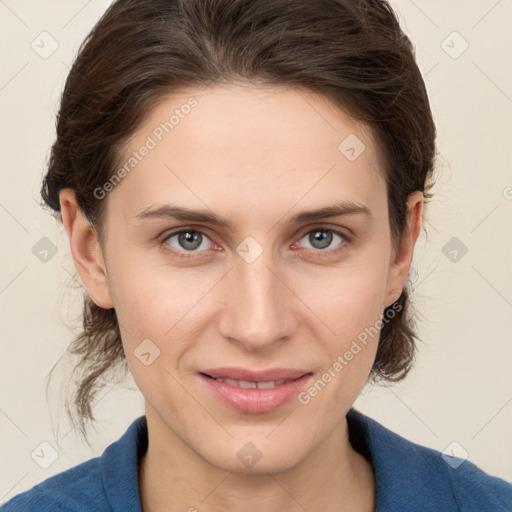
(257, 157)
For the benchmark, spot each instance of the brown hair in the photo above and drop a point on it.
(352, 52)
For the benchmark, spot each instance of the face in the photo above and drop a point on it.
(266, 287)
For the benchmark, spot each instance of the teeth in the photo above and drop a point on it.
(251, 385)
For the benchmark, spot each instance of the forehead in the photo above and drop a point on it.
(250, 144)
(222, 117)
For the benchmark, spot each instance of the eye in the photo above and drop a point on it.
(186, 241)
(321, 238)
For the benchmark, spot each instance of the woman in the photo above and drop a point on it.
(243, 183)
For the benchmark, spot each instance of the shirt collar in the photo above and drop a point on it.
(119, 464)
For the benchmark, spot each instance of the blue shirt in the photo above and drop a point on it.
(409, 477)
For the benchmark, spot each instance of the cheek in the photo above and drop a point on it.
(155, 307)
(349, 298)
(151, 296)
(350, 307)
(157, 302)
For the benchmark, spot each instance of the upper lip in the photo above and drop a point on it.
(271, 374)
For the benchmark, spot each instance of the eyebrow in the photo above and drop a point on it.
(204, 216)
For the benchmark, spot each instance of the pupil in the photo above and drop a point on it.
(324, 237)
(189, 237)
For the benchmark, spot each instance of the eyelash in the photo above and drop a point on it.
(192, 254)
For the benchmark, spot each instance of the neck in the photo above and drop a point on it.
(332, 477)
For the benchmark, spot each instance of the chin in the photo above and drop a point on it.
(254, 458)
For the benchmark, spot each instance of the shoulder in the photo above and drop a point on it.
(77, 489)
(108, 482)
(472, 488)
(414, 477)
(475, 489)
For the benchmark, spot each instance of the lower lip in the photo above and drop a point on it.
(256, 401)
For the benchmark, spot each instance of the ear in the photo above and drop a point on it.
(85, 249)
(401, 259)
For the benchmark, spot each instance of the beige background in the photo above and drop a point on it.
(461, 387)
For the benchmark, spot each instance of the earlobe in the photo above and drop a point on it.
(401, 264)
(85, 250)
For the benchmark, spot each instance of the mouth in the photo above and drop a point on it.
(254, 392)
(245, 384)
(246, 375)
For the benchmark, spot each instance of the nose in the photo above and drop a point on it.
(259, 307)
